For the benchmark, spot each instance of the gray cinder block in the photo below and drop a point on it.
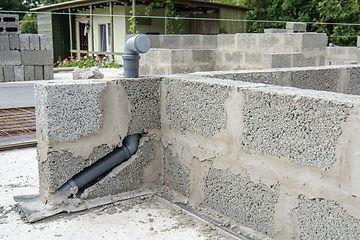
(233, 57)
(226, 40)
(24, 41)
(4, 43)
(44, 42)
(209, 41)
(34, 42)
(296, 26)
(29, 74)
(19, 73)
(1, 74)
(10, 58)
(313, 41)
(48, 72)
(38, 72)
(9, 24)
(36, 57)
(275, 30)
(191, 41)
(276, 60)
(9, 75)
(14, 41)
(9, 19)
(169, 41)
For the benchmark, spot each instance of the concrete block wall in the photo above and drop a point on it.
(188, 53)
(276, 159)
(23, 57)
(341, 55)
(264, 50)
(280, 160)
(171, 61)
(177, 41)
(341, 79)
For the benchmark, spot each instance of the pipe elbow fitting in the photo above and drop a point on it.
(137, 44)
(131, 143)
(133, 47)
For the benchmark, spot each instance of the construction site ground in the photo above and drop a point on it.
(138, 218)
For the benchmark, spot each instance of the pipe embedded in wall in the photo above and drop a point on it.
(135, 45)
(102, 166)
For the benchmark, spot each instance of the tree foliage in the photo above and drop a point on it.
(318, 12)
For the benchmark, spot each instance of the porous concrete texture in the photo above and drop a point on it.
(191, 53)
(176, 175)
(186, 113)
(51, 178)
(339, 224)
(251, 204)
(293, 130)
(341, 79)
(353, 84)
(74, 113)
(144, 97)
(324, 80)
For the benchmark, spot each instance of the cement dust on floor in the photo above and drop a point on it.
(139, 218)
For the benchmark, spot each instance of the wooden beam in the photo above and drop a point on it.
(134, 14)
(70, 28)
(112, 29)
(92, 27)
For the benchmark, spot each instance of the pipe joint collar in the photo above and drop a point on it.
(131, 56)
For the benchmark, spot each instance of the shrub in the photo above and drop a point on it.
(84, 62)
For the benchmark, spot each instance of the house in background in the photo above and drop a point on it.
(100, 26)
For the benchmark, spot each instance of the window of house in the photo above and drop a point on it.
(105, 37)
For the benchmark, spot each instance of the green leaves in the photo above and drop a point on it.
(336, 12)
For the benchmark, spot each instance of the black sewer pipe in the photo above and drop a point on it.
(102, 166)
(135, 45)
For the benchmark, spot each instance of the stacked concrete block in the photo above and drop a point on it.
(170, 61)
(340, 79)
(277, 60)
(291, 27)
(275, 30)
(188, 41)
(240, 51)
(296, 27)
(24, 57)
(9, 24)
(341, 55)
